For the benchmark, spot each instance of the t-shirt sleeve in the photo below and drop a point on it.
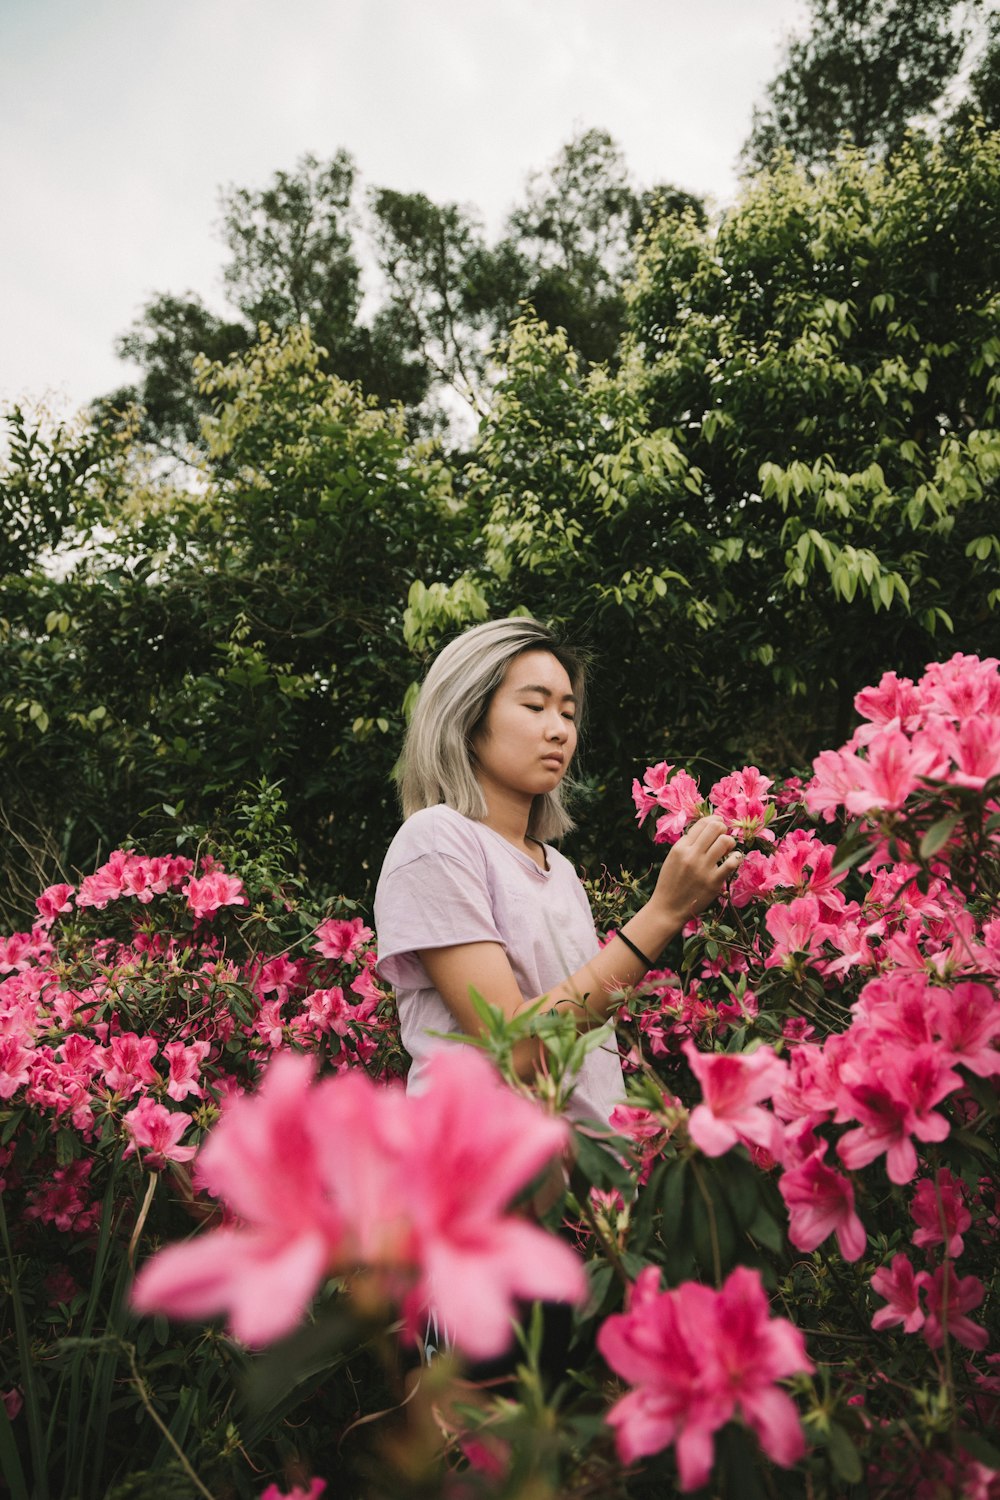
(434, 900)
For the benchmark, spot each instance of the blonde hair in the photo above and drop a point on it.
(437, 761)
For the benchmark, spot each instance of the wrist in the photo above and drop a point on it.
(654, 926)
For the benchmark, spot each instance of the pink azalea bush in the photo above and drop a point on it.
(788, 1242)
(143, 1003)
(840, 1021)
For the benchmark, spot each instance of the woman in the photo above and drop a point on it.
(472, 897)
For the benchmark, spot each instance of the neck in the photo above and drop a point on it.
(507, 813)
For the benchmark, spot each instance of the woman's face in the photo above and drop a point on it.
(529, 735)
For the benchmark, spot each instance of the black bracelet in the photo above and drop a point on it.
(637, 951)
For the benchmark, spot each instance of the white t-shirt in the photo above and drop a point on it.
(448, 880)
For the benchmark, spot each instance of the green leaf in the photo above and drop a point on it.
(938, 835)
(851, 850)
(600, 1166)
(766, 1230)
(984, 1452)
(975, 1143)
(844, 1456)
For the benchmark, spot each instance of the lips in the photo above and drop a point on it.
(555, 760)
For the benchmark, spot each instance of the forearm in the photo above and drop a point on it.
(592, 993)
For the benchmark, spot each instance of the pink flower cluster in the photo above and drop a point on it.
(75, 1056)
(124, 874)
(924, 968)
(696, 1359)
(405, 1196)
(941, 1213)
(944, 728)
(949, 1298)
(885, 1076)
(741, 799)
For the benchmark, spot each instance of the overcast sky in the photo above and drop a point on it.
(120, 119)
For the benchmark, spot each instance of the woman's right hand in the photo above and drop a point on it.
(695, 871)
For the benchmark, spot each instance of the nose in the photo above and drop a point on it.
(558, 729)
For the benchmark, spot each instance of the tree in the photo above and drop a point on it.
(425, 251)
(292, 260)
(248, 625)
(567, 251)
(863, 74)
(164, 342)
(295, 251)
(791, 485)
(982, 102)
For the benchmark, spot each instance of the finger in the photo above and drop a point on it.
(704, 831)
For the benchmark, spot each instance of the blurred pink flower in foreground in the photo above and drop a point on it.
(697, 1358)
(316, 1488)
(341, 1176)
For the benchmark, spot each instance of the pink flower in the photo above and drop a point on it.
(646, 794)
(961, 686)
(342, 1174)
(895, 767)
(894, 698)
(156, 1130)
(754, 879)
(742, 800)
(316, 1488)
(473, 1144)
(53, 901)
(894, 1101)
(949, 1298)
(211, 892)
(131, 1065)
(798, 933)
(696, 1358)
(820, 1202)
(683, 803)
(185, 1065)
(263, 1161)
(901, 1289)
(973, 745)
(106, 883)
(938, 1207)
(342, 939)
(327, 1010)
(968, 1022)
(637, 1123)
(63, 1201)
(733, 1084)
(15, 1065)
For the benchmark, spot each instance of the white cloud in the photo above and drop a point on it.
(120, 120)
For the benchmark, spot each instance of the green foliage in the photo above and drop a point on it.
(864, 72)
(249, 625)
(292, 260)
(791, 484)
(833, 353)
(295, 253)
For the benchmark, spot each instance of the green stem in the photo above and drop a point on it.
(27, 1375)
(144, 1397)
(712, 1227)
